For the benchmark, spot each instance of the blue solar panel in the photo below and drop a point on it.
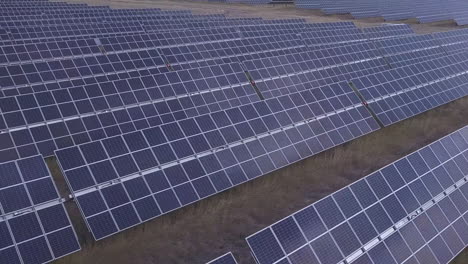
(395, 95)
(151, 110)
(425, 10)
(387, 217)
(171, 154)
(34, 226)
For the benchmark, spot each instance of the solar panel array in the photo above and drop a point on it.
(148, 110)
(415, 210)
(34, 226)
(425, 11)
(227, 258)
(254, 2)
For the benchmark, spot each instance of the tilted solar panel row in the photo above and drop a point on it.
(310, 60)
(47, 13)
(85, 46)
(166, 199)
(120, 92)
(151, 40)
(412, 208)
(407, 43)
(29, 74)
(11, 17)
(36, 2)
(78, 68)
(214, 24)
(34, 34)
(413, 57)
(7, 37)
(64, 7)
(228, 51)
(59, 50)
(8, 107)
(243, 25)
(235, 96)
(34, 226)
(237, 43)
(453, 42)
(147, 20)
(98, 10)
(73, 30)
(206, 53)
(317, 80)
(245, 133)
(58, 6)
(94, 104)
(387, 31)
(398, 94)
(253, 2)
(150, 22)
(424, 10)
(410, 50)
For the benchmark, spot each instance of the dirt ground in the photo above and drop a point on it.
(214, 226)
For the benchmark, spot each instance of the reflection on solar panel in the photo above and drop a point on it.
(34, 226)
(414, 208)
(227, 258)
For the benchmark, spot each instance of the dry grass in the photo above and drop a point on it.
(218, 224)
(209, 228)
(462, 258)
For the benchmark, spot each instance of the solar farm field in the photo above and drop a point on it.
(205, 132)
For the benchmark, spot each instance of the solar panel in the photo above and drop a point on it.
(333, 36)
(97, 65)
(34, 226)
(209, 146)
(424, 10)
(453, 41)
(106, 94)
(386, 31)
(151, 110)
(320, 59)
(392, 215)
(227, 258)
(54, 49)
(397, 94)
